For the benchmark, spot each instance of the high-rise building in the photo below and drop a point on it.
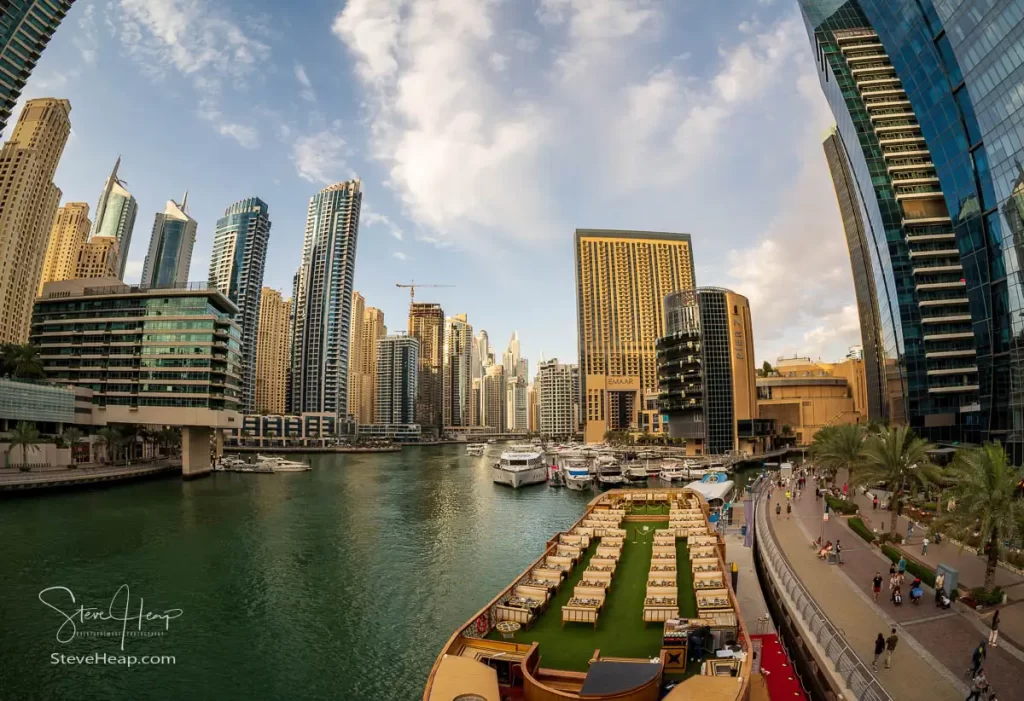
(457, 371)
(272, 352)
(930, 133)
(397, 381)
(621, 278)
(26, 27)
(493, 398)
(510, 358)
(69, 231)
(323, 301)
(236, 269)
(115, 215)
(28, 197)
(558, 398)
(170, 247)
(516, 407)
(479, 359)
(706, 371)
(356, 361)
(426, 325)
(373, 329)
(857, 242)
(532, 408)
(97, 258)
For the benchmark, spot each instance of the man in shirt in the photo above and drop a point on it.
(890, 645)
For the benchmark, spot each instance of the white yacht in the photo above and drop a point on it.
(519, 466)
(578, 478)
(610, 475)
(475, 449)
(672, 471)
(278, 464)
(716, 487)
(635, 472)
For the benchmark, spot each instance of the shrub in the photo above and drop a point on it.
(860, 529)
(987, 598)
(913, 567)
(841, 506)
(890, 538)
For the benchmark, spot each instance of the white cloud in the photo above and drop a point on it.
(400, 256)
(246, 136)
(498, 61)
(368, 217)
(838, 330)
(133, 270)
(85, 40)
(320, 157)
(370, 28)
(306, 92)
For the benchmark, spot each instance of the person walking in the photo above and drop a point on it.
(940, 582)
(778, 510)
(977, 657)
(876, 587)
(874, 503)
(879, 649)
(979, 685)
(993, 635)
(890, 646)
(839, 553)
(910, 530)
(789, 510)
(902, 564)
(924, 546)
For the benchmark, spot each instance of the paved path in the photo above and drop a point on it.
(944, 639)
(14, 479)
(748, 590)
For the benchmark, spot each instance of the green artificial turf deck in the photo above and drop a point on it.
(649, 510)
(621, 631)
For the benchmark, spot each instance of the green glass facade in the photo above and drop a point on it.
(162, 348)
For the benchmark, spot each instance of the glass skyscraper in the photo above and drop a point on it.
(115, 216)
(236, 269)
(170, 247)
(26, 27)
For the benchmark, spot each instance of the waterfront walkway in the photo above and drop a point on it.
(14, 480)
(935, 646)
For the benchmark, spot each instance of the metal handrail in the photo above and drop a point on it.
(848, 664)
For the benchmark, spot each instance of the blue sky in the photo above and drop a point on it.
(484, 132)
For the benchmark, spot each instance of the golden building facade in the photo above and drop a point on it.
(356, 351)
(372, 330)
(98, 257)
(69, 231)
(28, 204)
(426, 325)
(621, 279)
(272, 352)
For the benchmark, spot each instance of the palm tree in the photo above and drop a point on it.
(983, 490)
(26, 436)
(22, 360)
(71, 436)
(897, 457)
(839, 447)
(110, 438)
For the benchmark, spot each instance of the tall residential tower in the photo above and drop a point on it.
(426, 325)
(170, 247)
(272, 353)
(457, 372)
(397, 368)
(69, 231)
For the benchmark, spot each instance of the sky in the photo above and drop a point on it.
(484, 132)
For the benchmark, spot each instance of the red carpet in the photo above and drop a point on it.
(779, 676)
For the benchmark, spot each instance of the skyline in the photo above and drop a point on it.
(748, 71)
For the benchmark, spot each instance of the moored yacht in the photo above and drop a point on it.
(610, 475)
(278, 464)
(475, 449)
(672, 471)
(635, 472)
(520, 466)
(578, 478)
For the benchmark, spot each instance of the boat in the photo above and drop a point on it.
(492, 440)
(610, 475)
(556, 478)
(716, 488)
(672, 471)
(520, 466)
(475, 449)
(538, 638)
(278, 464)
(229, 462)
(578, 478)
(635, 472)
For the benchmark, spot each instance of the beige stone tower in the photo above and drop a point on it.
(99, 257)
(373, 330)
(272, 352)
(356, 351)
(70, 230)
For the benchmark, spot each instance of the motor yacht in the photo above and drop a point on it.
(635, 472)
(610, 475)
(520, 466)
(578, 478)
(475, 449)
(278, 464)
(672, 471)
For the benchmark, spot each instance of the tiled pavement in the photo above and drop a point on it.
(946, 637)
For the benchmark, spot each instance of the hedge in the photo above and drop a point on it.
(860, 529)
(987, 598)
(913, 567)
(841, 506)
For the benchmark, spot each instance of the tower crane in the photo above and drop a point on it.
(412, 289)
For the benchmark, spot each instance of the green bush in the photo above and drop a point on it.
(890, 538)
(841, 506)
(913, 567)
(860, 529)
(987, 598)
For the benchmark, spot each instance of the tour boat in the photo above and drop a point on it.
(520, 466)
(578, 478)
(475, 449)
(278, 464)
(716, 488)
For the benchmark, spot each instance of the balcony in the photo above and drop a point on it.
(945, 268)
(950, 319)
(953, 389)
(911, 164)
(955, 301)
(872, 46)
(970, 369)
(940, 285)
(963, 353)
(959, 335)
(916, 177)
(873, 68)
(926, 238)
(901, 138)
(875, 82)
(885, 102)
(919, 192)
(907, 150)
(882, 92)
(922, 220)
(936, 253)
(889, 125)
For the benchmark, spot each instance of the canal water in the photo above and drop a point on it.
(339, 583)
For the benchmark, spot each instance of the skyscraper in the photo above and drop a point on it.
(426, 325)
(69, 231)
(236, 269)
(272, 352)
(479, 360)
(493, 400)
(323, 301)
(510, 358)
(558, 399)
(516, 404)
(457, 372)
(26, 27)
(115, 215)
(97, 258)
(908, 81)
(170, 246)
(28, 201)
(373, 329)
(621, 278)
(397, 382)
(356, 359)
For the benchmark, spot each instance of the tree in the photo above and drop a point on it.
(983, 489)
(839, 447)
(22, 361)
(766, 369)
(897, 457)
(26, 436)
(110, 438)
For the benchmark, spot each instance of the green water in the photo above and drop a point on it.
(339, 583)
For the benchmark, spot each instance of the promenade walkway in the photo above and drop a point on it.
(13, 479)
(936, 644)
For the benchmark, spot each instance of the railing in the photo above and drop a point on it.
(854, 673)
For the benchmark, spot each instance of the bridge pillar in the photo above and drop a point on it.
(218, 444)
(195, 451)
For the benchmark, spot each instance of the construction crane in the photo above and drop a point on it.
(412, 289)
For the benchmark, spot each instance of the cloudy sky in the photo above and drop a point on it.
(484, 132)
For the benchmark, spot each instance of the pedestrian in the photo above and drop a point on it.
(817, 493)
(789, 510)
(874, 503)
(993, 636)
(890, 645)
(979, 685)
(778, 510)
(940, 583)
(892, 569)
(876, 587)
(839, 553)
(977, 657)
(879, 649)
(924, 546)
(788, 495)
(902, 566)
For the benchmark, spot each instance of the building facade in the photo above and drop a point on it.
(356, 361)
(115, 216)
(272, 352)
(28, 203)
(457, 377)
(373, 329)
(493, 400)
(276, 430)
(397, 380)
(97, 258)
(69, 231)
(426, 325)
(323, 301)
(236, 269)
(170, 247)
(621, 278)
(532, 408)
(558, 399)
(706, 369)
(26, 27)
(516, 407)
